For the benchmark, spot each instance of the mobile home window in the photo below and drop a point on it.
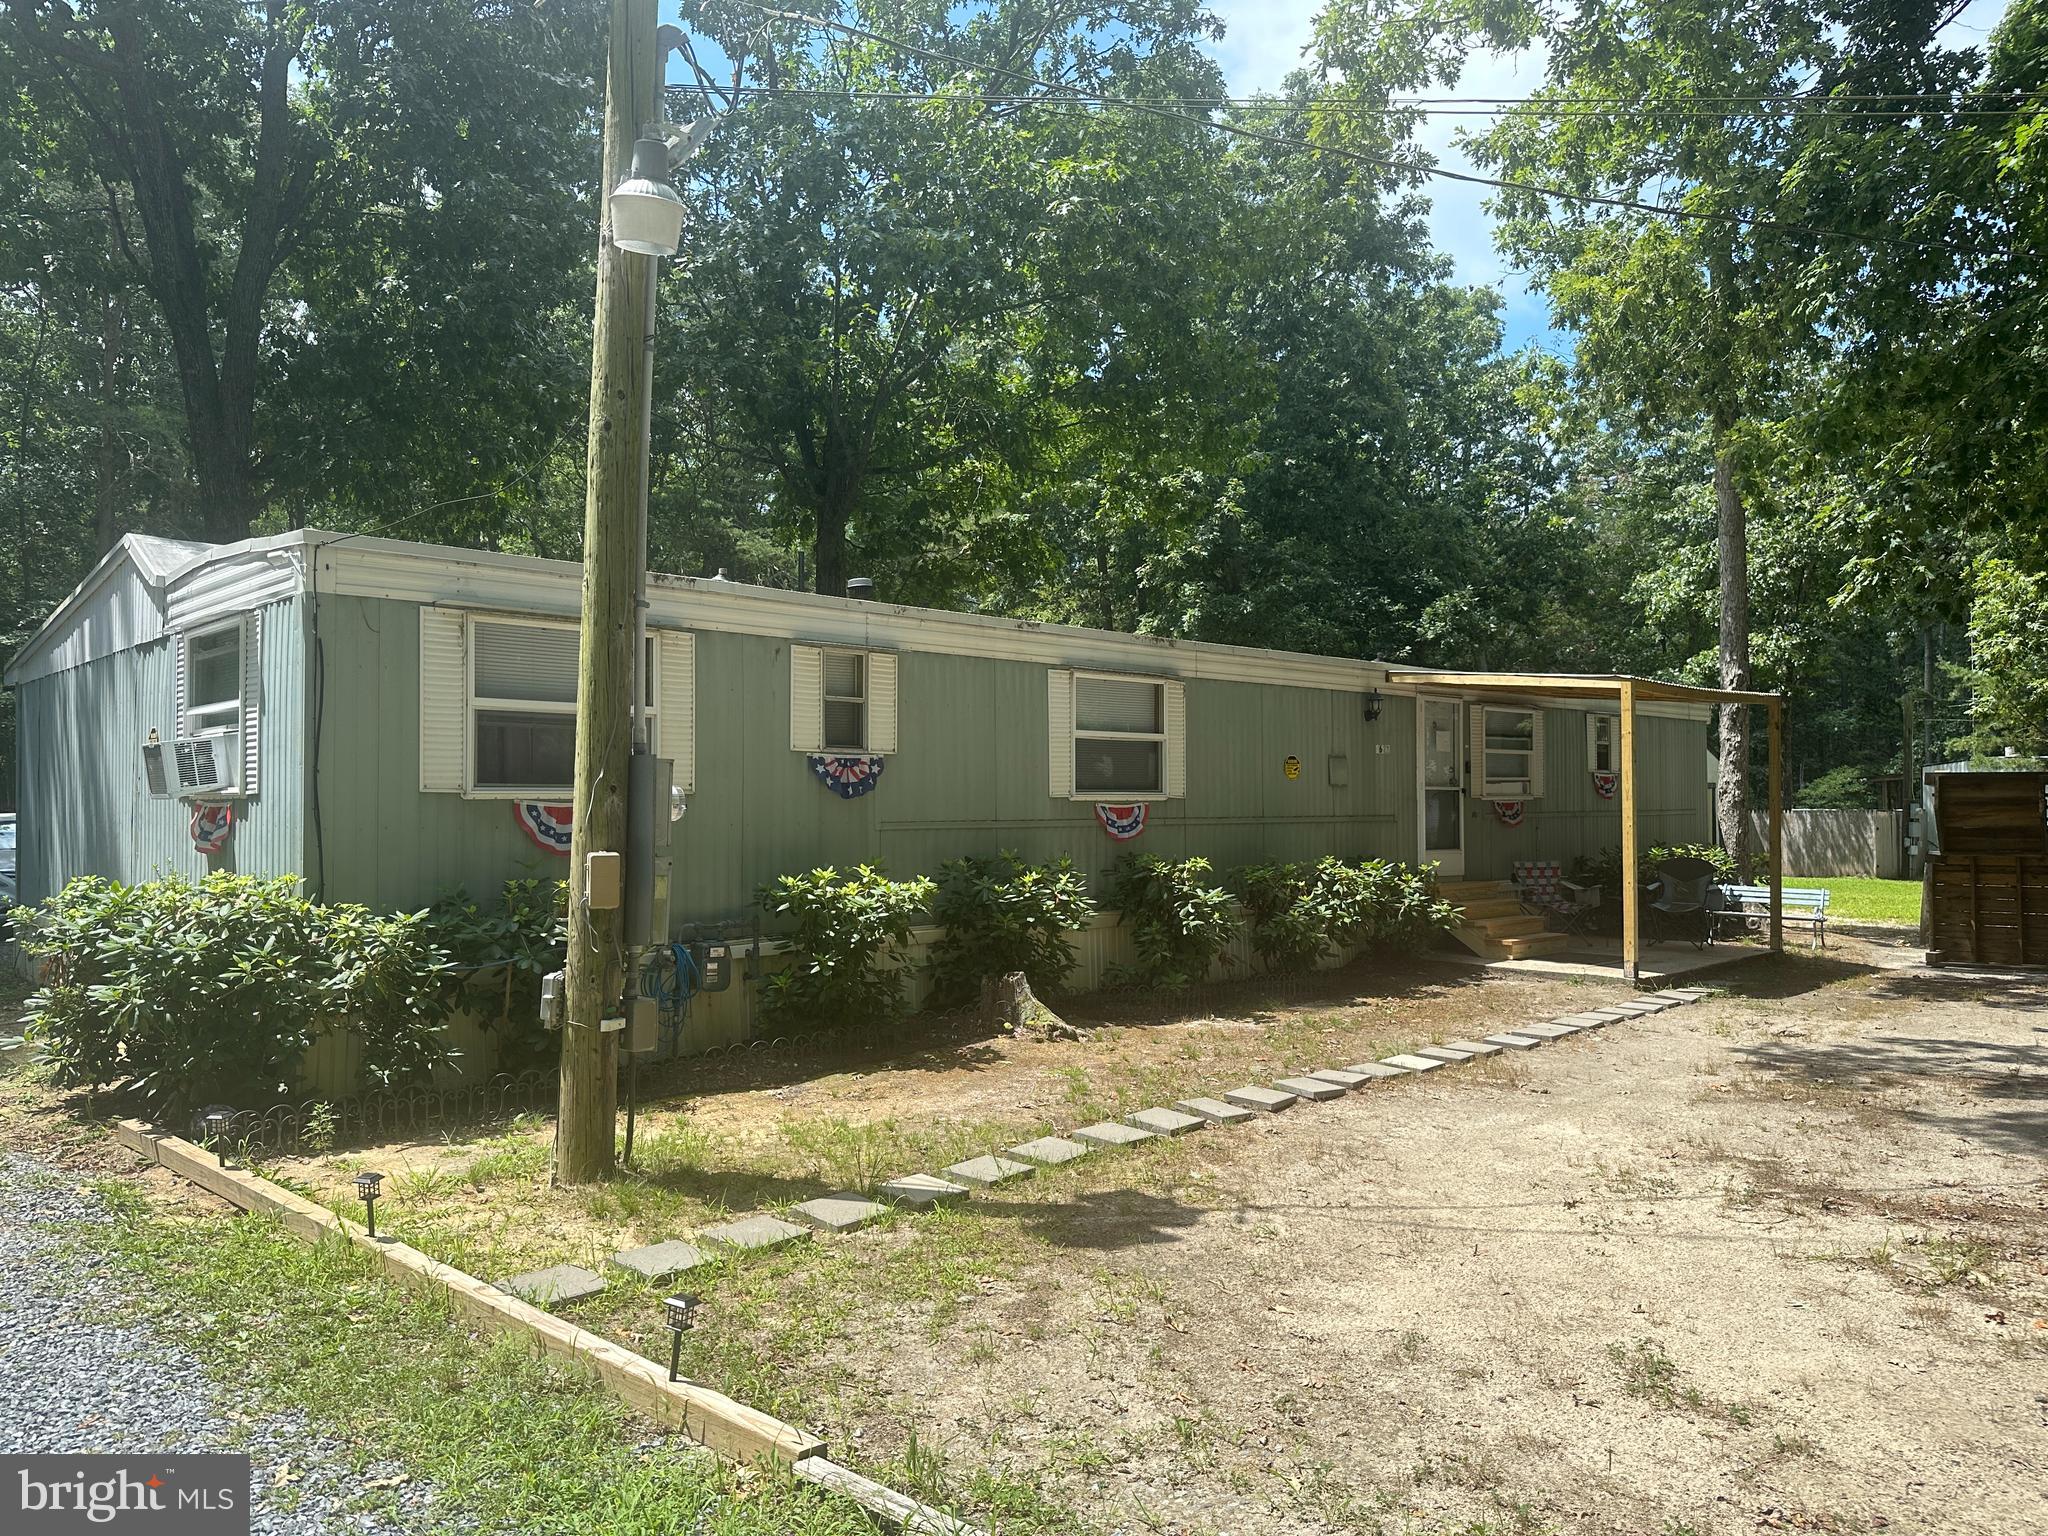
(846, 701)
(522, 705)
(1508, 751)
(1119, 736)
(1602, 748)
(213, 678)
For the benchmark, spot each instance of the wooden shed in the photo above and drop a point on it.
(1985, 900)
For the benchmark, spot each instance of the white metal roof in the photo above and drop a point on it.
(191, 583)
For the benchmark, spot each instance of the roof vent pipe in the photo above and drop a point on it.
(861, 588)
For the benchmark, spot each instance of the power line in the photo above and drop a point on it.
(1531, 107)
(1378, 162)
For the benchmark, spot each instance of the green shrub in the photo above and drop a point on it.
(1604, 869)
(499, 952)
(1003, 915)
(847, 932)
(1179, 920)
(215, 990)
(1298, 913)
(1839, 789)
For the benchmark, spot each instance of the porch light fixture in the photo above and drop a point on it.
(369, 1187)
(680, 1313)
(647, 215)
(1373, 701)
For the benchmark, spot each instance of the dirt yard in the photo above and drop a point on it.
(1775, 1261)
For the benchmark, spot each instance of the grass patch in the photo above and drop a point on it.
(511, 1441)
(1868, 901)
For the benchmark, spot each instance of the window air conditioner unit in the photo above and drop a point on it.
(208, 764)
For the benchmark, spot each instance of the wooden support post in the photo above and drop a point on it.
(1777, 827)
(1631, 883)
(587, 1116)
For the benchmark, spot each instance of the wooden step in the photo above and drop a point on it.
(1523, 946)
(1473, 890)
(1489, 906)
(1499, 928)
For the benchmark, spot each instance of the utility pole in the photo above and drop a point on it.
(587, 1117)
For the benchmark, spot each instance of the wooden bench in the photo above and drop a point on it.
(1749, 906)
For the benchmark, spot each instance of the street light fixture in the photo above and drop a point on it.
(647, 215)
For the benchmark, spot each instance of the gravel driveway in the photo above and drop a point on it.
(80, 1379)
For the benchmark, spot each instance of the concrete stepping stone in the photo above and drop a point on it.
(1447, 1054)
(1161, 1121)
(922, 1189)
(657, 1261)
(1107, 1133)
(1514, 1042)
(841, 1212)
(1215, 1111)
(1343, 1077)
(554, 1285)
(1049, 1151)
(1583, 1020)
(1472, 1047)
(1680, 995)
(1375, 1069)
(1251, 1096)
(1309, 1088)
(1545, 1031)
(989, 1170)
(1638, 1009)
(1412, 1063)
(751, 1233)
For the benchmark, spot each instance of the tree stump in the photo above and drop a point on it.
(1008, 1001)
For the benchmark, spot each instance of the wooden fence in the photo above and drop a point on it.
(1987, 909)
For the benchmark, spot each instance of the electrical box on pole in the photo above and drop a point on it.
(649, 782)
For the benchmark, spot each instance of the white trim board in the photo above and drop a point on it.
(230, 577)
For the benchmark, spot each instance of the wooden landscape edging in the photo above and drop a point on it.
(708, 1417)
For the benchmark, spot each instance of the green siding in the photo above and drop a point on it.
(1673, 800)
(85, 805)
(971, 778)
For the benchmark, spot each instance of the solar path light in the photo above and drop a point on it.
(681, 1313)
(369, 1188)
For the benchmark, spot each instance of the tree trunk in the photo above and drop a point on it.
(1733, 530)
(106, 477)
(834, 512)
(587, 1117)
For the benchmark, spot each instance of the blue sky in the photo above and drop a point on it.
(1264, 39)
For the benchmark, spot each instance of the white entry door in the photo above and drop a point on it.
(1440, 767)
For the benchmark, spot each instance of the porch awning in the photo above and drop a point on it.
(1628, 692)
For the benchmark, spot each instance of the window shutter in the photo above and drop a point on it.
(181, 648)
(806, 699)
(677, 717)
(1536, 754)
(1176, 741)
(1059, 732)
(881, 701)
(1475, 714)
(444, 701)
(252, 699)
